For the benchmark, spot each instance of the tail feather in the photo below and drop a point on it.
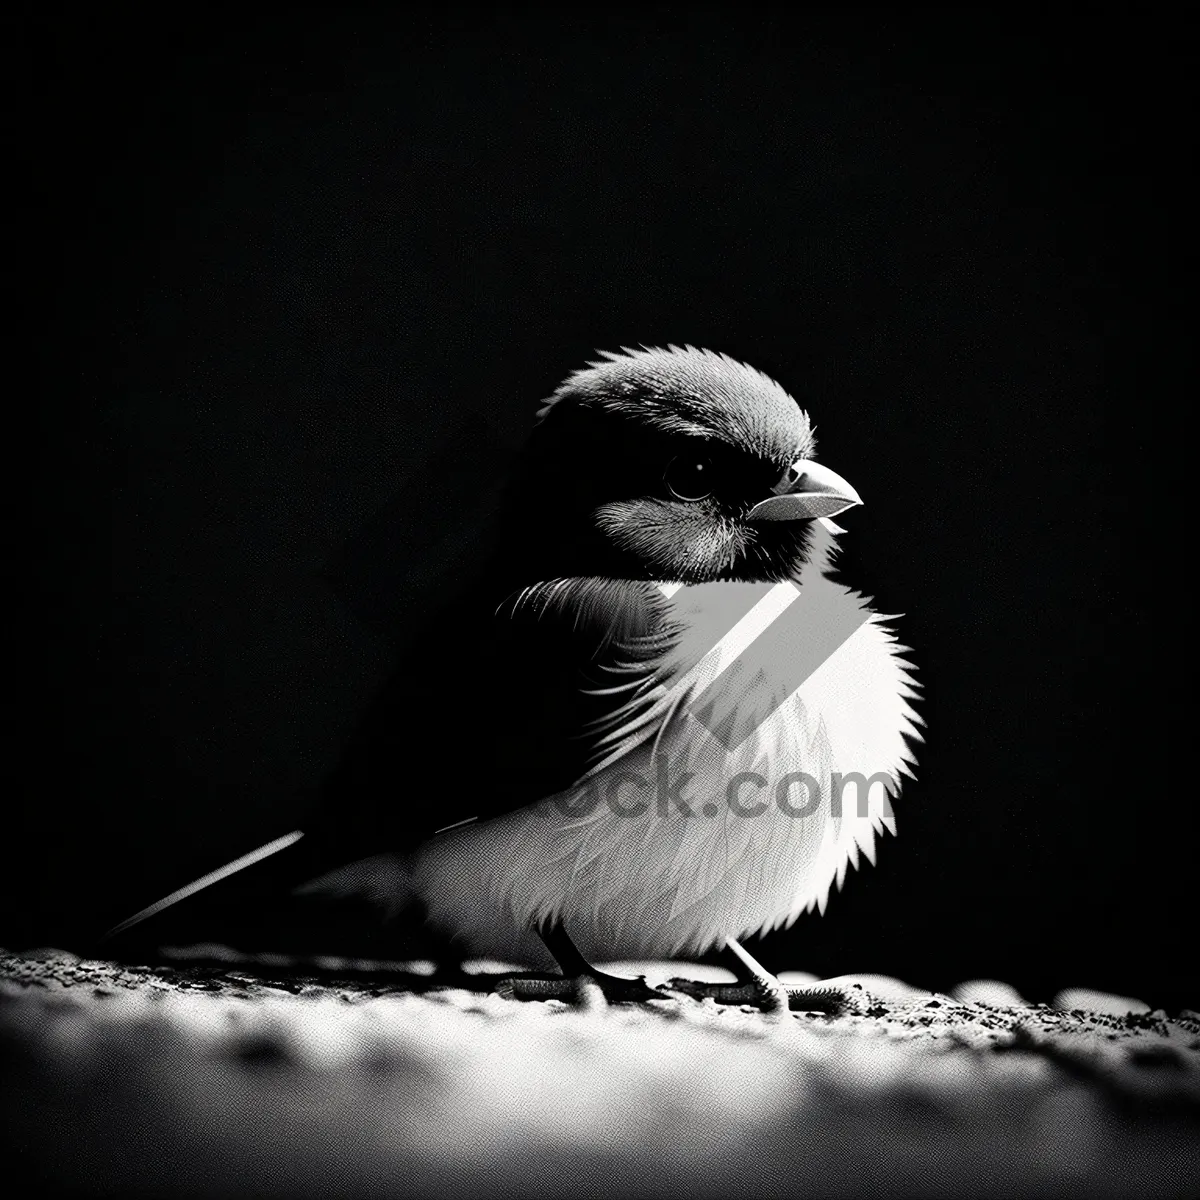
(206, 881)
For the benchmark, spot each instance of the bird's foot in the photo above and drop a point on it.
(768, 994)
(765, 992)
(591, 989)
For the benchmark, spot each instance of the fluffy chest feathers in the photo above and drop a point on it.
(710, 809)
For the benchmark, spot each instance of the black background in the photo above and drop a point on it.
(297, 287)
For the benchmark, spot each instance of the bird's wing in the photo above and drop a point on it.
(499, 705)
(618, 637)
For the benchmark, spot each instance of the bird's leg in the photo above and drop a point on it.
(757, 986)
(580, 982)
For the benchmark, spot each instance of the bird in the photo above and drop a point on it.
(625, 738)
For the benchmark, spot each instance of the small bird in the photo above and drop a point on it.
(634, 726)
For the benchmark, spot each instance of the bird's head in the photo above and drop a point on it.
(676, 464)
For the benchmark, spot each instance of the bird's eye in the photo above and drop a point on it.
(690, 477)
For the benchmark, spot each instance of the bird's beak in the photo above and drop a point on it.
(816, 492)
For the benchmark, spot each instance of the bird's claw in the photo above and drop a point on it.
(593, 990)
(767, 994)
(771, 996)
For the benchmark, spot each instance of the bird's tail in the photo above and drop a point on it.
(295, 864)
(205, 882)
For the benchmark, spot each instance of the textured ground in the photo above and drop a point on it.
(269, 1077)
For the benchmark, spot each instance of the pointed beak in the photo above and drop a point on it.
(816, 492)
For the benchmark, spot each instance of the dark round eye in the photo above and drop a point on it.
(690, 477)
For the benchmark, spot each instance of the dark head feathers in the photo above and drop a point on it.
(693, 392)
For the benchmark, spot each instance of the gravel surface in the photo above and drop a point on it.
(215, 1074)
